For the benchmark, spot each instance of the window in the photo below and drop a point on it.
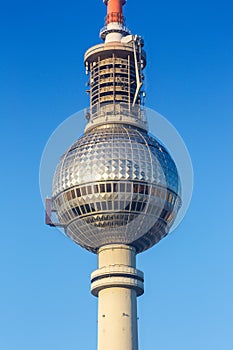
(68, 195)
(115, 187)
(82, 209)
(133, 205)
(138, 206)
(96, 189)
(98, 206)
(89, 190)
(143, 206)
(87, 208)
(163, 214)
(92, 205)
(108, 187)
(122, 187)
(102, 187)
(128, 187)
(127, 207)
(84, 192)
(141, 189)
(76, 211)
(78, 192)
(122, 205)
(135, 188)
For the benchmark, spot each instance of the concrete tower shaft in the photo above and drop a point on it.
(117, 283)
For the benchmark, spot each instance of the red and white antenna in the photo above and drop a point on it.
(114, 28)
(114, 11)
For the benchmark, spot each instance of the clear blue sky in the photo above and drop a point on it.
(45, 300)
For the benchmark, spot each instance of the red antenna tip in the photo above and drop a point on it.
(114, 12)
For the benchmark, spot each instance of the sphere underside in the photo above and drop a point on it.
(116, 184)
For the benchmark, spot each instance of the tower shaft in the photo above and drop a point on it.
(117, 283)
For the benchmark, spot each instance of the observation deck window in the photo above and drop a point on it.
(78, 192)
(84, 192)
(102, 187)
(108, 187)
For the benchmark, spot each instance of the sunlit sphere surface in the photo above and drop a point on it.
(116, 184)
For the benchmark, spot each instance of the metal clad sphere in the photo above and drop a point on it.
(116, 184)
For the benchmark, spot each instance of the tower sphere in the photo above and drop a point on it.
(116, 184)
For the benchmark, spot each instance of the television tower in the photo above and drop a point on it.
(116, 190)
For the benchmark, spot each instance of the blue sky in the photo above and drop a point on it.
(45, 300)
